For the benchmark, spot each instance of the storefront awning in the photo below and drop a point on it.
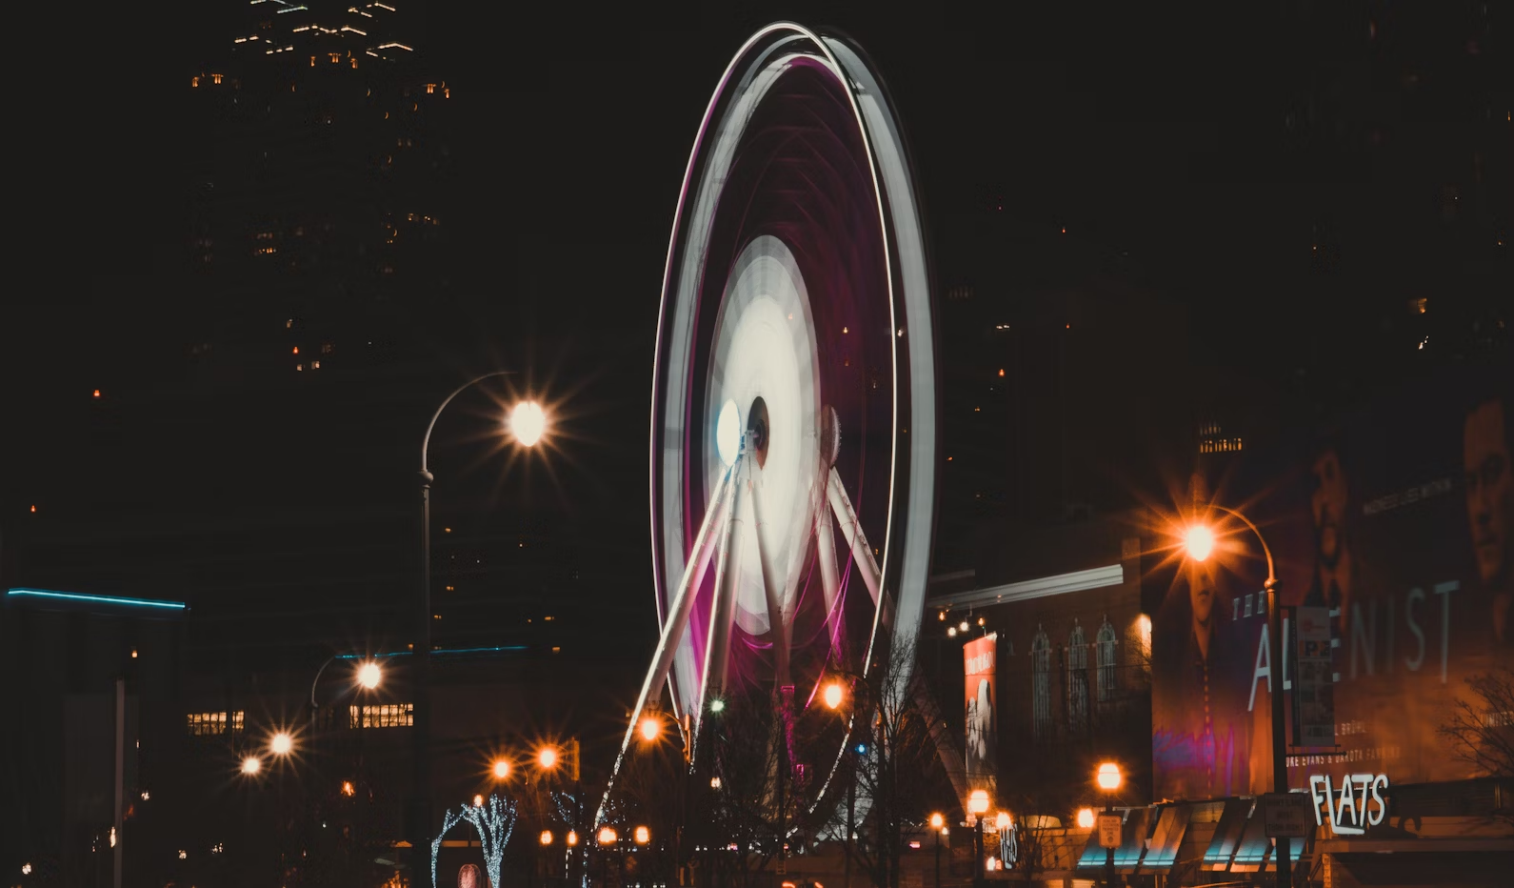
(1227, 835)
(1172, 825)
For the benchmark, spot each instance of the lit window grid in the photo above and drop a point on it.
(382, 715)
(212, 724)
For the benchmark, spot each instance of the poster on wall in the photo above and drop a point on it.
(1397, 524)
(978, 659)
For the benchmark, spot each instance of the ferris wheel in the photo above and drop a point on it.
(793, 404)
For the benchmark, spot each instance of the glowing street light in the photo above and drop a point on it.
(977, 802)
(500, 769)
(717, 705)
(546, 757)
(1002, 822)
(938, 826)
(715, 782)
(528, 422)
(251, 765)
(1085, 818)
(478, 800)
(1109, 777)
(643, 835)
(607, 836)
(1198, 541)
(369, 675)
(281, 743)
(546, 837)
(347, 788)
(977, 806)
(572, 838)
(833, 695)
(651, 728)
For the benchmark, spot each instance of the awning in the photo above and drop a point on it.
(1172, 825)
(1227, 835)
(1134, 829)
(1255, 849)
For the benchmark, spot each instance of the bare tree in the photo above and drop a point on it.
(1481, 728)
(893, 762)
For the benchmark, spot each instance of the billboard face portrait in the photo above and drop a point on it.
(978, 657)
(1490, 506)
(1201, 731)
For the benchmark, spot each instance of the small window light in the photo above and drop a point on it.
(556, 649)
(97, 393)
(133, 654)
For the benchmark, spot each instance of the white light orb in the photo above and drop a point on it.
(369, 675)
(282, 743)
(528, 422)
(728, 433)
(1199, 541)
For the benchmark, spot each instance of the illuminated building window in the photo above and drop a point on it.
(430, 88)
(214, 724)
(326, 348)
(1106, 640)
(1040, 689)
(1077, 680)
(215, 78)
(334, 56)
(382, 715)
(194, 82)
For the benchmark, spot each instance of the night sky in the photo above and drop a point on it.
(1207, 156)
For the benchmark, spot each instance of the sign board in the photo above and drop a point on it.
(979, 658)
(1351, 806)
(1109, 830)
(1287, 815)
(1313, 678)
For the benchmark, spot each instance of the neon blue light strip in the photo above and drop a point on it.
(96, 599)
(438, 652)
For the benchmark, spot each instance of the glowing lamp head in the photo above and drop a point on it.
(937, 821)
(348, 789)
(833, 695)
(251, 765)
(715, 782)
(528, 422)
(369, 675)
(478, 801)
(643, 835)
(607, 835)
(572, 839)
(977, 802)
(717, 705)
(500, 769)
(1002, 821)
(728, 433)
(650, 728)
(963, 626)
(1085, 818)
(546, 757)
(281, 744)
(1109, 777)
(1198, 541)
(546, 837)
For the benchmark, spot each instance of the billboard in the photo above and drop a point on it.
(1396, 525)
(981, 696)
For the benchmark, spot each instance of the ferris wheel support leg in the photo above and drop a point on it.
(856, 540)
(678, 613)
(723, 608)
(778, 622)
(830, 576)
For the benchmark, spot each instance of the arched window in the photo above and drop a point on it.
(1077, 680)
(1040, 667)
(1107, 678)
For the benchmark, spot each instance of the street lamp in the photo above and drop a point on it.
(281, 744)
(527, 424)
(977, 806)
(643, 835)
(834, 694)
(651, 728)
(938, 826)
(546, 837)
(500, 769)
(546, 758)
(369, 675)
(251, 765)
(1085, 818)
(1109, 779)
(1199, 542)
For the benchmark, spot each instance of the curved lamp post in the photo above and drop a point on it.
(1198, 541)
(528, 422)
